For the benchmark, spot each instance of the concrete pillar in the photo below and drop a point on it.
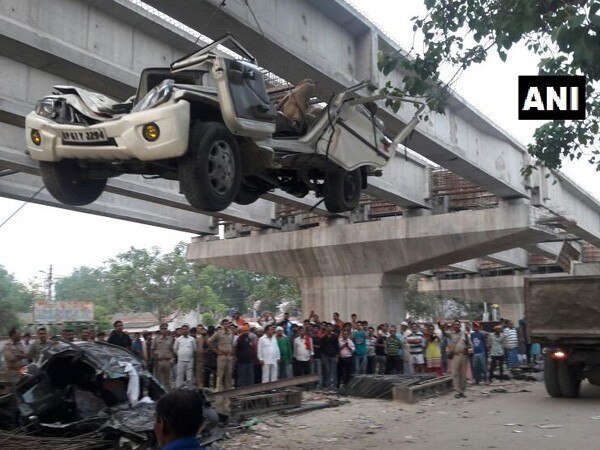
(512, 311)
(376, 298)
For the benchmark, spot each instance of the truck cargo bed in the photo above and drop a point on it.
(559, 308)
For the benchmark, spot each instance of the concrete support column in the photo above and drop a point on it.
(512, 311)
(376, 298)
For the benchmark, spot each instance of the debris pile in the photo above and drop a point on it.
(13, 440)
(381, 386)
(407, 388)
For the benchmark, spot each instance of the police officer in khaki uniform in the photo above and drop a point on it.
(200, 353)
(14, 351)
(41, 344)
(162, 351)
(222, 343)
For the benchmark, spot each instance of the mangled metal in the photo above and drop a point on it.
(91, 389)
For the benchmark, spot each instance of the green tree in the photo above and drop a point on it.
(460, 33)
(274, 290)
(89, 284)
(419, 305)
(84, 284)
(14, 298)
(146, 281)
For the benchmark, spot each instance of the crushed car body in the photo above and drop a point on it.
(83, 388)
(210, 122)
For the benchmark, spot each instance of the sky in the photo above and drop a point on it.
(39, 236)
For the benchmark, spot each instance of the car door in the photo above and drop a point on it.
(245, 105)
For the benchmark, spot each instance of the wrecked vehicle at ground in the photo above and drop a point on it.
(80, 388)
(210, 122)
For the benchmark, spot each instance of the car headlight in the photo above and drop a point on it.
(156, 96)
(47, 107)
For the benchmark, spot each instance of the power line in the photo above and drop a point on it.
(21, 207)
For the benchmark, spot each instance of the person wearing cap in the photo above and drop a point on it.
(245, 357)
(285, 352)
(268, 355)
(478, 337)
(222, 343)
(460, 344)
(497, 345)
(200, 355)
(405, 329)
(162, 352)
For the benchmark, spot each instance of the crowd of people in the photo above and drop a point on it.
(236, 354)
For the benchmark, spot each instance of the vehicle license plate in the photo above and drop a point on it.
(77, 137)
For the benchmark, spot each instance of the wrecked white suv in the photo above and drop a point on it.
(210, 122)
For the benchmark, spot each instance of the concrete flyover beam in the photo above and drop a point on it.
(579, 211)
(402, 246)
(515, 257)
(22, 186)
(48, 56)
(548, 250)
(469, 266)
(158, 191)
(333, 43)
(501, 289)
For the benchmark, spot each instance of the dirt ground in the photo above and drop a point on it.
(509, 420)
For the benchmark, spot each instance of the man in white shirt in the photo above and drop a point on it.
(346, 351)
(268, 355)
(185, 350)
(303, 352)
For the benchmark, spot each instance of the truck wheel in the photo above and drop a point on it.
(210, 171)
(66, 183)
(551, 377)
(568, 380)
(342, 190)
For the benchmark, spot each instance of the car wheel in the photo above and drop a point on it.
(568, 380)
(66, 183)
(551, 377)
(210, 172)
(342, 190)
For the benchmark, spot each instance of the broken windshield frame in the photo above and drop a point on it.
(198, 55)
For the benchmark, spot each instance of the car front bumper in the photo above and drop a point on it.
(125, 140)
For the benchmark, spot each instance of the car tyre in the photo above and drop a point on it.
(568, 380)
(66, 183)
(551, 377)
(342, 190)
(210, 171)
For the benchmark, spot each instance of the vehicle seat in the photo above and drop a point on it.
(292, 109)
(314, 114)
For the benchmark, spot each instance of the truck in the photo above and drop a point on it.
(562, 315)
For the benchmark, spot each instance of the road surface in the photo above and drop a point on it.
(483, 420)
